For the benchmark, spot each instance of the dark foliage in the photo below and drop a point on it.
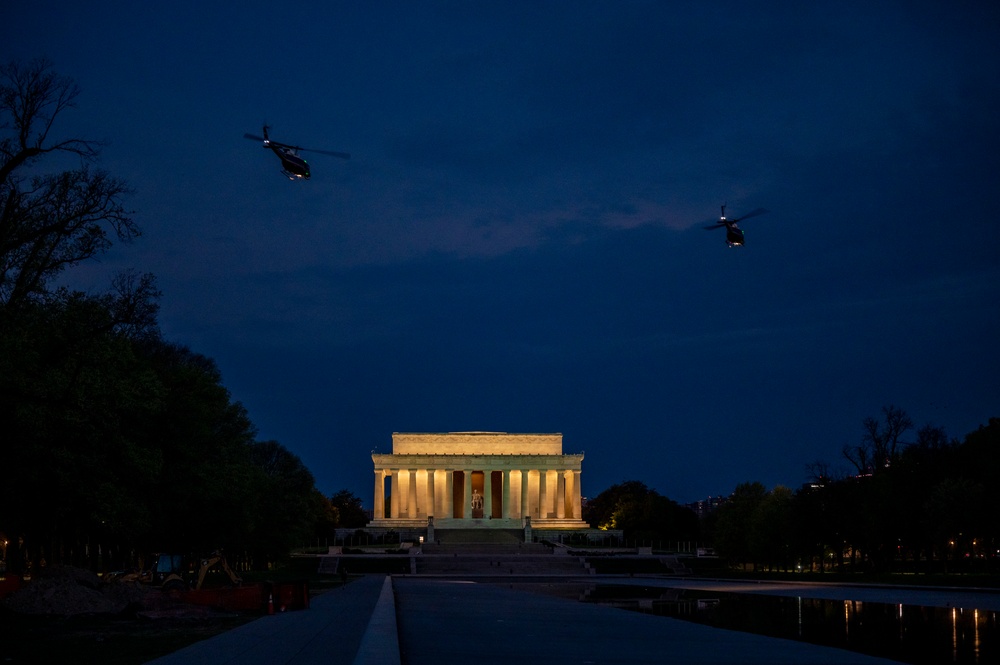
(349, 510)
(641, 513)
(115, 443)
(925, 507)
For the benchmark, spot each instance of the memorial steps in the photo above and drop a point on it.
(500, 564)
(492, 553)
(477, 537)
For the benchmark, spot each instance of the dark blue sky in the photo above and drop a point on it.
(516, 243)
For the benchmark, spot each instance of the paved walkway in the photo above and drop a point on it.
(349, 624)
(377, 620)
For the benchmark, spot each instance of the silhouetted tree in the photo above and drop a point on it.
(75, 399)
(349, 509)
(282, 508)
(771, 538)
(734, 522)
(48, 221)
(202, 496)
(642, 514)
(121, 442)
(602, 511)
(880, 442)
(956, 511)
(978, 458)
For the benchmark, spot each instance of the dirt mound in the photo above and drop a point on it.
(68, 591)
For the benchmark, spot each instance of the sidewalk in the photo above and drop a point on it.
(386, 621)
(332, 631)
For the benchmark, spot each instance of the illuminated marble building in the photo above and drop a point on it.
(477, 480)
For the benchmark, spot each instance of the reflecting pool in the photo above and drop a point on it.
(906, 633)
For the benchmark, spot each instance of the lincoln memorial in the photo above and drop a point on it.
(477, 480)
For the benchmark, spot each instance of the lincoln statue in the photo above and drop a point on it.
(477, 480)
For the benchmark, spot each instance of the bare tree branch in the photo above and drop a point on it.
(135, 305)
(33, 96)
(57, 220)
(880, 443)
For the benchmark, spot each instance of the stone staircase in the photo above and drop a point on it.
(500, 563)
(478, 537)
(328, 565)
(493, 553)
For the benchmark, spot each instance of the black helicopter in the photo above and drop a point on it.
(734, 234)
(293, 166)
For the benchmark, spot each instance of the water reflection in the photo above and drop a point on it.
(906, 633)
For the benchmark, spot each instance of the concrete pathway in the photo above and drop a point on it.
(377, 620)
(338, 626)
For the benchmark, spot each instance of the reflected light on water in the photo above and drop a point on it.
(923, 635)
(975, 633)
(954, 633)
(798, 601)
(847, 618)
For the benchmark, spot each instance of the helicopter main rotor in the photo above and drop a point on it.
(734, 234)
(723, 222)
(752, 213)
(295, 148)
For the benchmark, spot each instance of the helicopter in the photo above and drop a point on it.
(734, 234)
(293, 166)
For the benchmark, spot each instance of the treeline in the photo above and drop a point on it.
(118, 443)
(113, 441)
(642, 514)
(926, 506)
(929, 505)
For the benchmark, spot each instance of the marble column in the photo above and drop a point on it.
(487, 493)
(577, 499)
(543, 494)
(449, 493)
(522, 507)
(431, 499)
(561, 494)
(394, 497)
(404, 493)
(379, 494)
(412, 508)
(505, 499)
(467, 500)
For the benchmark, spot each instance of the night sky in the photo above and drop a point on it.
(516, 243)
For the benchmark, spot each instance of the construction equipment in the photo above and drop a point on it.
(217, 558)
(180, 572)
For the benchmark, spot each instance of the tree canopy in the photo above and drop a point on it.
(49, 221)
(641, 513)
(925, 505)
(123, 442)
